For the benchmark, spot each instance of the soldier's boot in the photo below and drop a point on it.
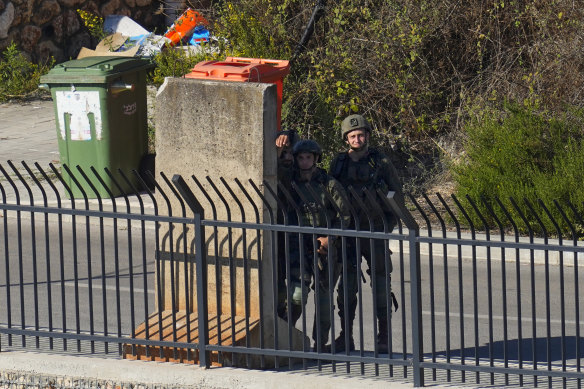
(320, 342)
(323, 347)
(341, 340)
(382, 336)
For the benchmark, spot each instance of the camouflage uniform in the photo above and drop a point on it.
(309, 205)
(372, 172)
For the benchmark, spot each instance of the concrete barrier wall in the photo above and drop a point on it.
(221, 130)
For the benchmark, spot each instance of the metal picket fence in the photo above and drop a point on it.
(188, 269)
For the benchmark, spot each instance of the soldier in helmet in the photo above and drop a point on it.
(365, 168)
(285, 141)
(309, 205)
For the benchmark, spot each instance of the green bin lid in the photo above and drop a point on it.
(94, 70)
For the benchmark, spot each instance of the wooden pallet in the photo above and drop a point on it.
(181, 332)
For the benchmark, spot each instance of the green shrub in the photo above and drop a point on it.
(254, 29)
(175, 62)
(19, 78)
(93, 23)
(527, 155)
(363, 57)
(410, 67)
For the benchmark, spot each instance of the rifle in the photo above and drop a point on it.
(317, 13)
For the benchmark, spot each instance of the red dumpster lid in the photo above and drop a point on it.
(242, 70)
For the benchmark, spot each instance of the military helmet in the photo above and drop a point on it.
(307, 146)
(354, 122)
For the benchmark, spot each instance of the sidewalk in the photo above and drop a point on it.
(86, 372)
(28, 133)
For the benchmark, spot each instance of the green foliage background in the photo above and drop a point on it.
(174, 63)
(490, 90)
(525, 154)
(19, 77)
(412, 67)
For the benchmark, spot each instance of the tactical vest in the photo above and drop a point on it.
(309, 206)
(365, 173)
(361, 174)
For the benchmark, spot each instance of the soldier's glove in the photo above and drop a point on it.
(296, 293)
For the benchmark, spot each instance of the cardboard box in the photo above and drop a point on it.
(109, 46)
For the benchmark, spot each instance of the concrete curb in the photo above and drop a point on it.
(482, 252)
(28, 366)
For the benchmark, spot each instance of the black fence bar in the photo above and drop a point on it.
(7, 279)
(47, 247)
(518, 294)
(183, 239)
(503, 294)
(19, 243)
(33, 242)
(201, 268)
(258, 243)
(95, 270)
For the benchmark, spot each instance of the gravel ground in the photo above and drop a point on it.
(18, 380)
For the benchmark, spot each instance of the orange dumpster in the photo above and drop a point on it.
(246, 70)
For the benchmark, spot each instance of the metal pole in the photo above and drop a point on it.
(201, 268)
(415, 284)
(416, 296)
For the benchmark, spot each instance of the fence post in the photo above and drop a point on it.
(415, 283)
(201, 267)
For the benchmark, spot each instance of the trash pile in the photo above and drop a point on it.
(189, 24)
(130, 39)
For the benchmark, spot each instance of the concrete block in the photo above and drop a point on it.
(219, 132)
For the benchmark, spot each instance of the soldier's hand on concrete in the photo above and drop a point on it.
(282, 141)
(323, 248)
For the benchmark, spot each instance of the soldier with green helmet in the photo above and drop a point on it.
(315, 199)
(364, 168)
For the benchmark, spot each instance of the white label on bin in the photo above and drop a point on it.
(80, 106)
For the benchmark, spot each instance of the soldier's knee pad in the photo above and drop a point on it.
(296, 293)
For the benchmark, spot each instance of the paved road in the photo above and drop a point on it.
(28, 132)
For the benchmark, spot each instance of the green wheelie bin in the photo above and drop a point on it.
(101, 114)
